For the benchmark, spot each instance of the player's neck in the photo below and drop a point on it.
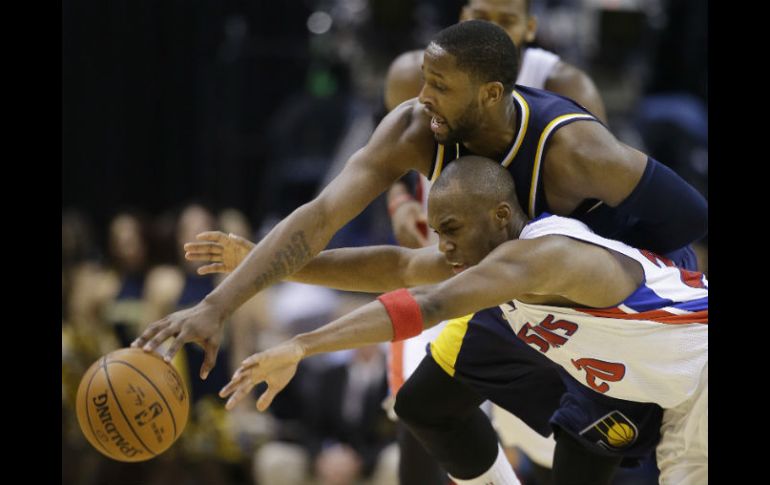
(517, 225)
(496, 132)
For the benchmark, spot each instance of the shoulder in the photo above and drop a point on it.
(536, 254)
(565, 73)
(408, 123)
(585, 160)
(403, 138)
(539, 249)
(540, 261)
(581, 141)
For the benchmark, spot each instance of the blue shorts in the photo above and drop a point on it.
(482, 351)
(608, 426)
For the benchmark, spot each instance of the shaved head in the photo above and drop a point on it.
(478, 178)
(473, 208)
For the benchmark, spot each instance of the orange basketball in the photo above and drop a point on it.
(132, 405)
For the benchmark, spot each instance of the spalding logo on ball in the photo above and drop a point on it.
(132, 405)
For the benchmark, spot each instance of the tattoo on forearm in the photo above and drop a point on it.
(286, 261)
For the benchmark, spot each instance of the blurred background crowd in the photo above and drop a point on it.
(185, 116)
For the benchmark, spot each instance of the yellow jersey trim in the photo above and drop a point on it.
(446, 347)
(523, 124)
(555, 123)
(439, 163)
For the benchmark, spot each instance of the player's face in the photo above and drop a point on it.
(511, 15)
(450, 97)
(467, 231)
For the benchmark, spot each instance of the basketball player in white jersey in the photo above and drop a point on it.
(619, 320)
(540, 69)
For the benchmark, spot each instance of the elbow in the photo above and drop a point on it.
(317, 213)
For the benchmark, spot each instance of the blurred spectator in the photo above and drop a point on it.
(340, 433)
(128, 250)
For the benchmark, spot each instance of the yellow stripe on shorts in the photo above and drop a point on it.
(446, 347)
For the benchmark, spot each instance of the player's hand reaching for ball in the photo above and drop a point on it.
(223, 252)
(275, 366)
(201, 324)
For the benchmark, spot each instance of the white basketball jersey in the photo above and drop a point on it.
(536, 67)
(649, 348)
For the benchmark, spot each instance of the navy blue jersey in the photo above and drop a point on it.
(539, 114)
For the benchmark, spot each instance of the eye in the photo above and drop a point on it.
(436, 86)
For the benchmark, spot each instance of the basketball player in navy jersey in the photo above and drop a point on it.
(539, 69)
(563, 161)
(622, 322)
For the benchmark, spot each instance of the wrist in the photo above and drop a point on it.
(302, 343)
(214, 301)
(404, 312)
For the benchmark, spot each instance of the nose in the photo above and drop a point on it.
(424, 96)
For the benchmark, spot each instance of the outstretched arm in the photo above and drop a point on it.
(374, 269)
(551, 267)
(503, 275)
(396, 146)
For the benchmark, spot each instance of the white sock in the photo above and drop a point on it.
(500, 473)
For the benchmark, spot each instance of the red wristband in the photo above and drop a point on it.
(397, 201)
(404, 313)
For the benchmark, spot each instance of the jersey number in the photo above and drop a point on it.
(544, 335)
(599, 369)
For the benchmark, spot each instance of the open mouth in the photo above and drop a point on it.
(437, 123)
(458, 267)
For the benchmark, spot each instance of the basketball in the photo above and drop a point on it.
(132, 405)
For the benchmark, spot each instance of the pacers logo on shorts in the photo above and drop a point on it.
(612, 432)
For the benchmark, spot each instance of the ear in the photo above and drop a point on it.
(503, 214)
(529, 34)
(492, 93)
